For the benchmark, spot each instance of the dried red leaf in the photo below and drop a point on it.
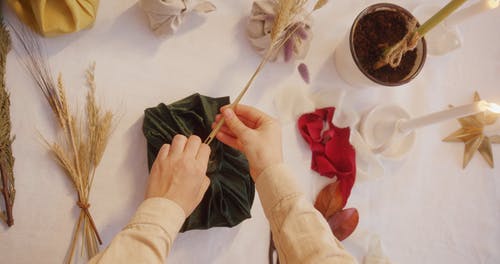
(343, 223)
(330, 200)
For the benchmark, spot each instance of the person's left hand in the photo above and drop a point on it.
(179, 172)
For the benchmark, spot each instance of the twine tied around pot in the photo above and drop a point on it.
(393, 55)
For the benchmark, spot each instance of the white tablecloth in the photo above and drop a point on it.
(426, 208)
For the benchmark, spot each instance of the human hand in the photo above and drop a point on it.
(254, 133)
(179, 172)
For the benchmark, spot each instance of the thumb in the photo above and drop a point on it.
(203, 189)
(233, 123)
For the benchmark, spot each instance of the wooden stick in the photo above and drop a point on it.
(217, 128)
(274, 47)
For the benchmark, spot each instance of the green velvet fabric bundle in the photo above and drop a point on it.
(229, 198)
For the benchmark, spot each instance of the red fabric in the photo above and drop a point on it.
(332, 153)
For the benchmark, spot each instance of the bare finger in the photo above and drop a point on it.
(178, 144)
(203, 154)
(249, 113)
(228, 140)
(248, 123)
(163, 153)
(192, 146)
(224, 129)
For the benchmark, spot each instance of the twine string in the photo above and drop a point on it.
(84, 206)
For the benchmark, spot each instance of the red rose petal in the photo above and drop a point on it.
(332, 153)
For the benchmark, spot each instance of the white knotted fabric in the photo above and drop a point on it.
(376, 253)
(261, 22)
(165, 16)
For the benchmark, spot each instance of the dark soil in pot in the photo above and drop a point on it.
(377, 31)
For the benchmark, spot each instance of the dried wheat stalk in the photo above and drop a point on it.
(6, 159)
(83, 139)
(287, 10)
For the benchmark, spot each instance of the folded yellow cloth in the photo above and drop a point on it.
(56, 17)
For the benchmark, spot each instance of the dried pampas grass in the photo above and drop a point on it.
(6, 159)
(280, 33)
(82, 141)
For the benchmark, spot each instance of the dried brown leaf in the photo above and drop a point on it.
(329, 200)
(344, 223)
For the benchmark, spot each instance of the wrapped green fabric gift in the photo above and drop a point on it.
(229, 198)
(55, 17)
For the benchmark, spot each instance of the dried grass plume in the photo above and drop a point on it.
(286, 12)
(82, 138)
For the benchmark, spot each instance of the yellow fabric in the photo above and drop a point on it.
(55, 17)
(300, 232)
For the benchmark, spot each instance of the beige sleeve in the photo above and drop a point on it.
(149, 235)
(300, 233)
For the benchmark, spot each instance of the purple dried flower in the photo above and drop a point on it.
(304, 72)
(301, 32)
(288, 49)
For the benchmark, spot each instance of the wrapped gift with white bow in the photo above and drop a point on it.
(165, 16)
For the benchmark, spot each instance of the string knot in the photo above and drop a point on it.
(394, 54)
(83, 206)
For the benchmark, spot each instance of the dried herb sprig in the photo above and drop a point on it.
(394, 54)
(6, 159)
(84, 138)
(286, 12)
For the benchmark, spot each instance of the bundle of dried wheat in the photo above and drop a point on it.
(6, 158)
(79, 153)
(84, 137)
(283, 29)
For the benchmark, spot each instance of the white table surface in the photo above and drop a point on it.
(426, 209)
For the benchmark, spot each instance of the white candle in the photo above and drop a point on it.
(494, 129)
(406, 126)
(468, 12)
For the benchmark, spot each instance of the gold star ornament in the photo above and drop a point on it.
(471, 134)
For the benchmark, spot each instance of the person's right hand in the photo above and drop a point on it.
(179, 172)
(254, 133)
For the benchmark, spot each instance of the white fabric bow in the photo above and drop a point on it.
(261, 22)
(165, 16)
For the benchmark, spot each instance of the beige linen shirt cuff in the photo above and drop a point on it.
(275, 184)
(162, 212)
(148, 236)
